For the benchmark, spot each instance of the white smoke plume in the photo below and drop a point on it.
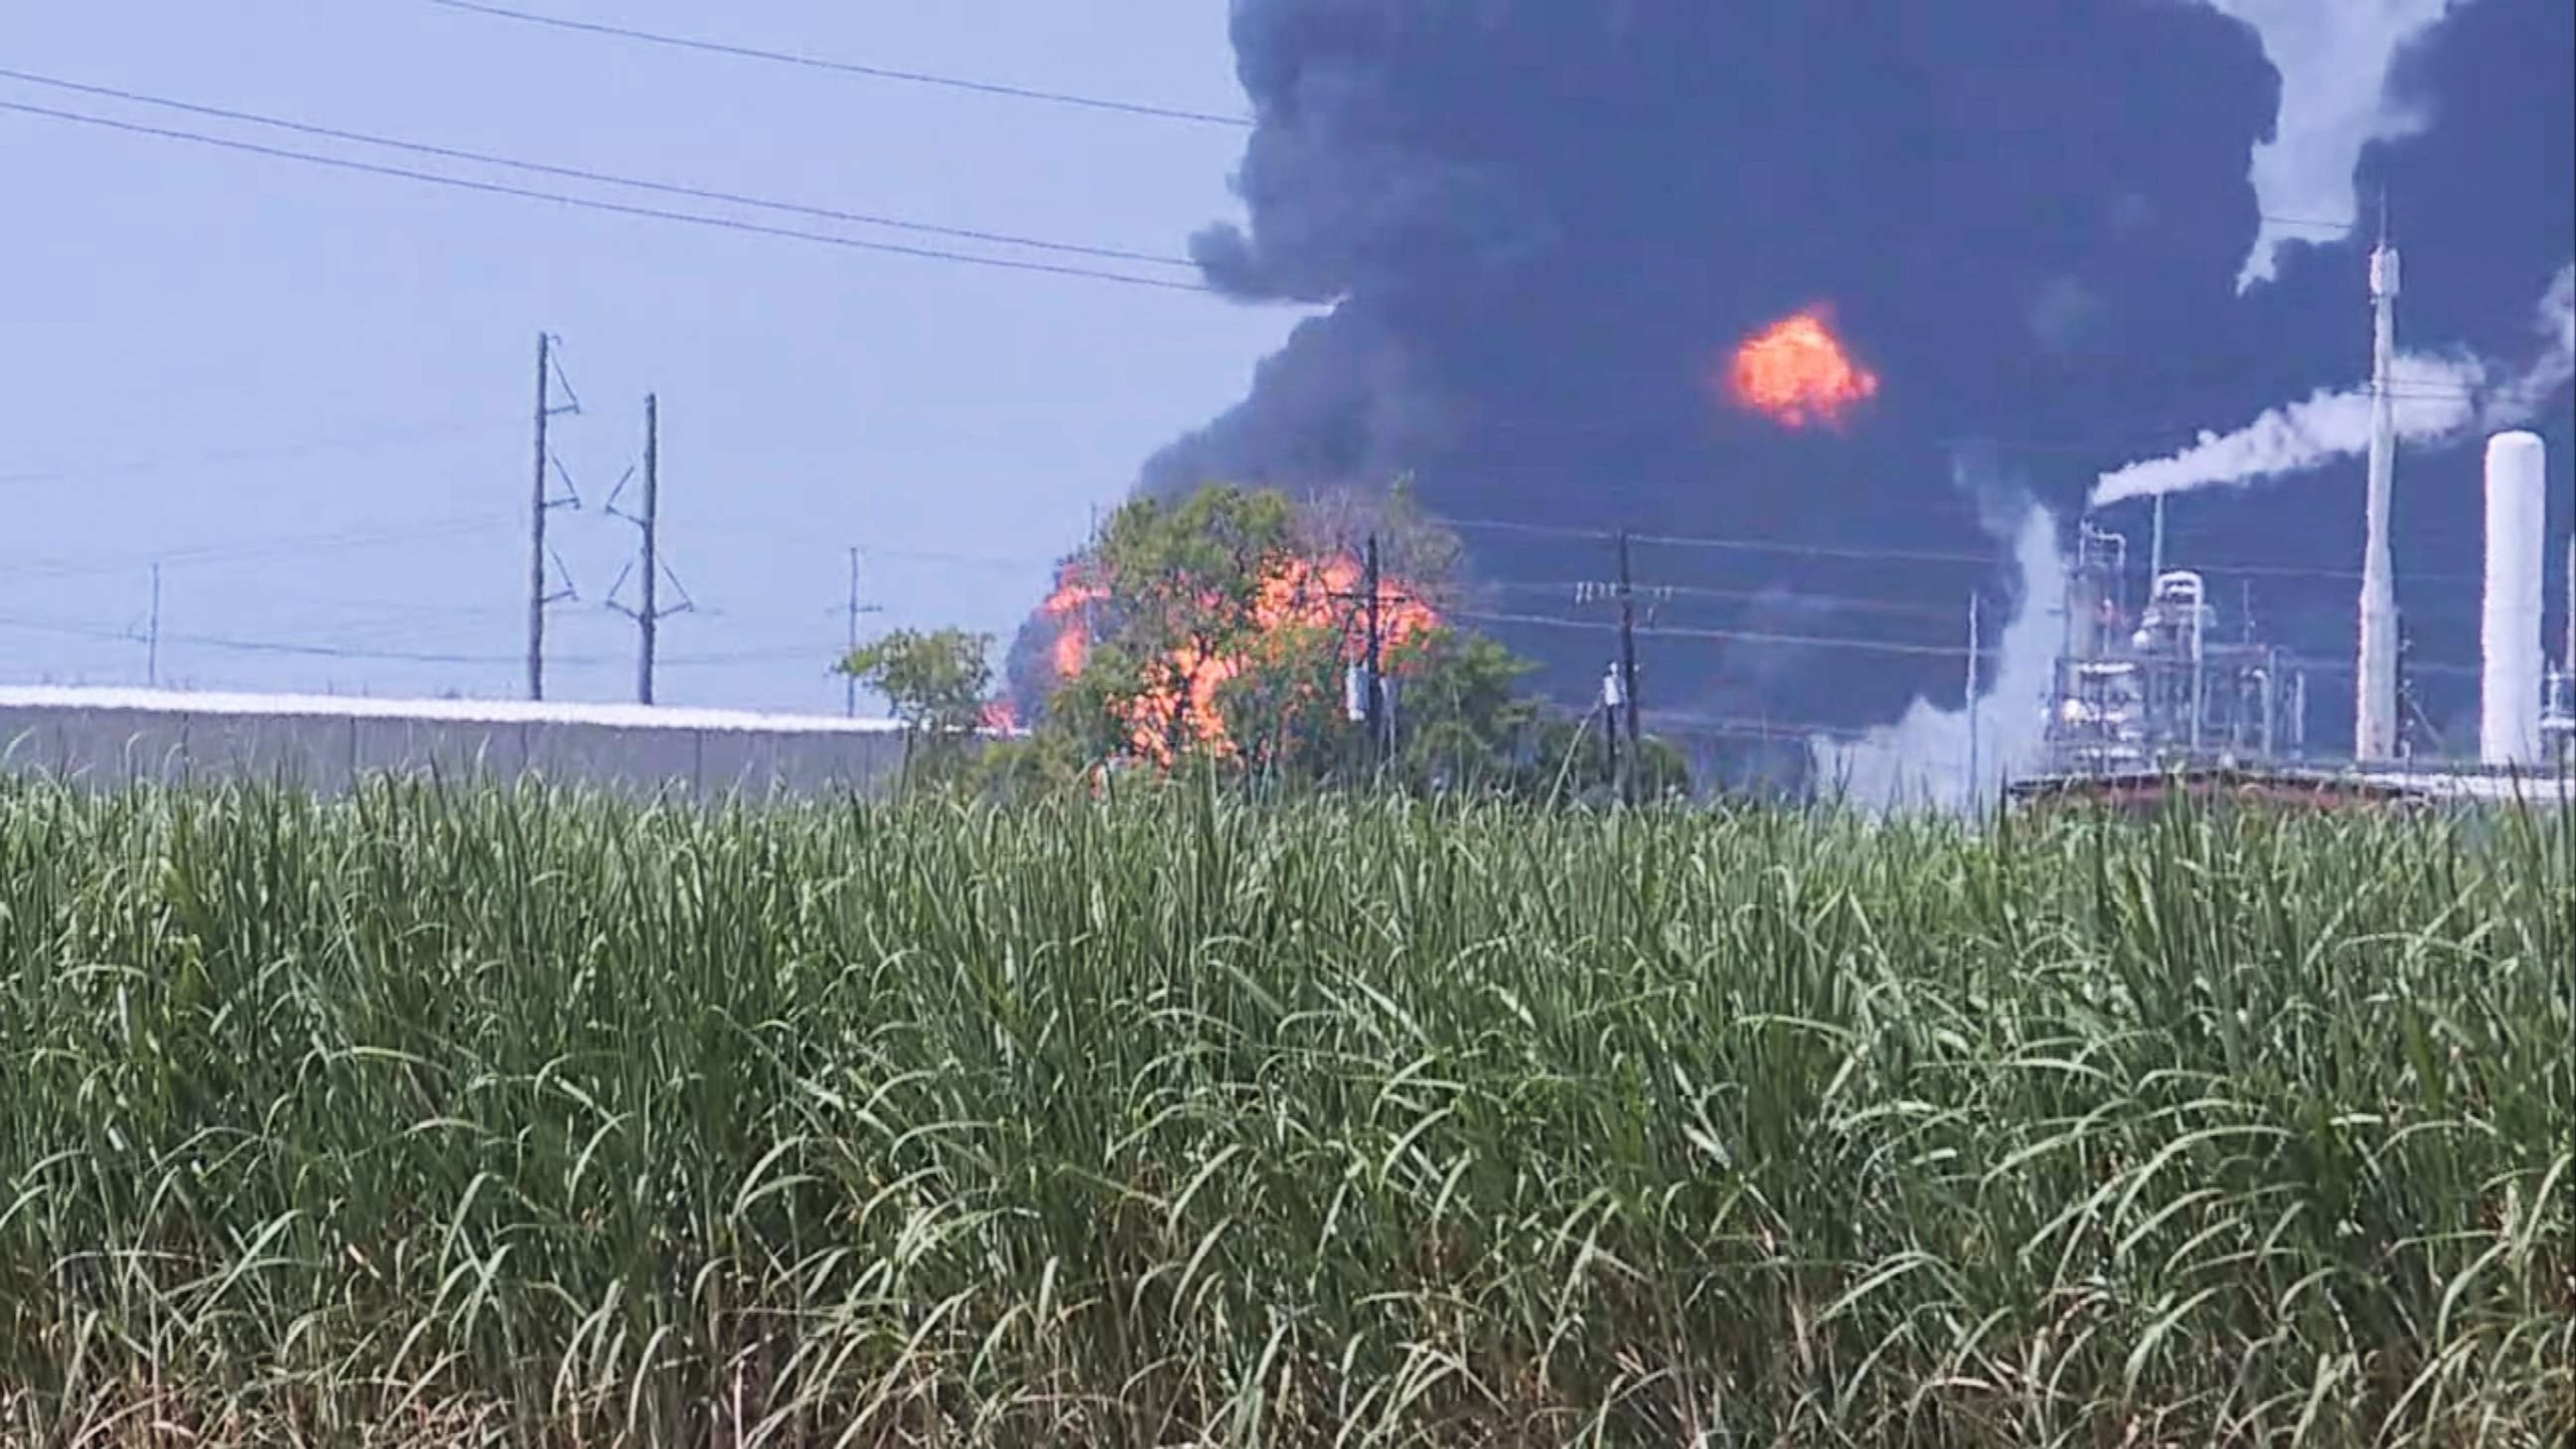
(2437, 397)
(1921, 761)
(2522, 399)
(2334, 58)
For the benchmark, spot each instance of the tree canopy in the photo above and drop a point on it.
(1233, 626)
(935, 682)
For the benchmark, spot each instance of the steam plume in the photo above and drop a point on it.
(1921, 761)
(2437, 398)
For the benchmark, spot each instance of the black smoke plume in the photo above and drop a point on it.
(1540, 228)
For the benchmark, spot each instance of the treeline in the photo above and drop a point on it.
(1275, 643)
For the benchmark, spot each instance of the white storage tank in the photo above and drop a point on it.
(2509, 703)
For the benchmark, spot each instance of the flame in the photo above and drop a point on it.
(1796, 372)
(1001, 717)
(1181, 700)
(1067, 606)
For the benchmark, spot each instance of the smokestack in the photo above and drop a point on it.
(2374, 734)
(2509, 690)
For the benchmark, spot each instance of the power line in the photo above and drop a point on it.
(1846, 602)
(1744, 545)
(619, 208)
(1669, 723)
(386, 438)
(1891, 555)
(238, 644)
(575, 173)
(844, 67)
(463, 525)
(1735, 636)
(251, 646)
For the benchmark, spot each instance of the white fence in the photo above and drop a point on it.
(115, 737)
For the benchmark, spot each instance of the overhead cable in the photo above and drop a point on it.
(605, 178)
(844, 67)
(494, 188)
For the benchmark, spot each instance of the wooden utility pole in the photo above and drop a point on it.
(850, 682)
(1974, 659)
(850, 649)
(152, 644)
(647, 617)
(1375, 701)
(1610, 723)
(1628, 670)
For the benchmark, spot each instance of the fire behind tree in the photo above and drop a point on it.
(1300, 609)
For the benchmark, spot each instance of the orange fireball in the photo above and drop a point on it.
(1797, 373)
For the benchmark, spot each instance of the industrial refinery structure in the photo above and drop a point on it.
(2157, 682)
(2153, 681)
(2147, 684)
(2154, 678)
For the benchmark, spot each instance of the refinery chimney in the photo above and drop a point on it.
(2374, 735)
(2509, 703)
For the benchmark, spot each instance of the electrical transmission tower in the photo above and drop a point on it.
(649, 568)
(542, 591)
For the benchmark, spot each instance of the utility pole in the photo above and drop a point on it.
(1628, 670)
(849, 687)
(850, 682)
(1090, 617)
(537, 529)
(539, 505)
(152, 642)
(1975, 779)
(646, 618)
(648, 614)
(1610, 722)
(1374, 702)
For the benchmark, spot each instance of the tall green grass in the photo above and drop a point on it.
(516, 1118)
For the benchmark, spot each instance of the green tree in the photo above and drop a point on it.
(938, 683)
(1178, 594)
(1221, 627)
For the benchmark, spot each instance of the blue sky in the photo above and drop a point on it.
(306, 392)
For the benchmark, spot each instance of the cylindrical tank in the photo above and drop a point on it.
(2509, 692)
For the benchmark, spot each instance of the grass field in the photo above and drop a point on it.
(505, 1118)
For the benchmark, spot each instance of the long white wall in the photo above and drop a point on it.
(114, 738)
